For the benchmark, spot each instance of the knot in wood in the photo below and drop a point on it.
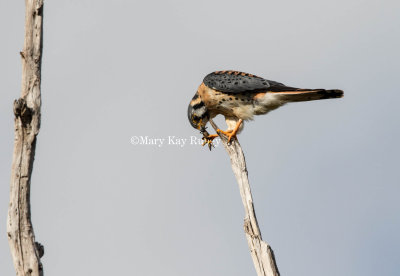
(21, 110)
(248, 228)
(39, 249)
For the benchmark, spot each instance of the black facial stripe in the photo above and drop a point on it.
(199, 105)
(205, 114)
(195, 96)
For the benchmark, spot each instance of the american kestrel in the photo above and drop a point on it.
(239, 96)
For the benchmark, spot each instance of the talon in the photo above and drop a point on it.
(208, 140)
(228, 133)
(210, 144)
(230, 137)
(231, 133)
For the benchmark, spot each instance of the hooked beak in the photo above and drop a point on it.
(201, 126)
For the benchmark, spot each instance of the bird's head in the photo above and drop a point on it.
(198, 114)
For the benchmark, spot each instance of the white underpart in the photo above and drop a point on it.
(261, 106)
(267, 103)
(246, 112)
(231, 122)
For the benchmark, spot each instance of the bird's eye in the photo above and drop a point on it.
(195, 119)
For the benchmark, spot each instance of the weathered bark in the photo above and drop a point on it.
(25, 251)
(261, 252)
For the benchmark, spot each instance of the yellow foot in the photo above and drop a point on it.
(229, 133)
(208, 140)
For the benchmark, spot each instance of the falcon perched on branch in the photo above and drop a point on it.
(239, 96)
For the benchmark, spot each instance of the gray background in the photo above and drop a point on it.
(324, 174)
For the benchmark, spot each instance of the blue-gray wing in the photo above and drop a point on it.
(238, 82)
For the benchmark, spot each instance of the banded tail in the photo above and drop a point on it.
(290, 94)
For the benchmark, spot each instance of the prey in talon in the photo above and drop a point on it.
(239, 96)
(207, 138)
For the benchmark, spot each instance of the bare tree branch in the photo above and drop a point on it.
(261, 252)
(25, 251)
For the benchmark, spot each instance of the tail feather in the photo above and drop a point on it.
(301, 95)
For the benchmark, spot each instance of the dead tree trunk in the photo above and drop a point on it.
(26, 253)
(261, 252)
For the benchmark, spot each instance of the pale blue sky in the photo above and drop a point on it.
(324, 175)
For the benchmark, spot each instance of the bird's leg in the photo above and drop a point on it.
(231, 133)
(208, 139)
(227, 132)
(212, 136)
